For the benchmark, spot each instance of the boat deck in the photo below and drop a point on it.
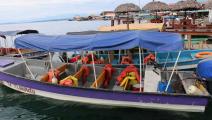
(7, 63)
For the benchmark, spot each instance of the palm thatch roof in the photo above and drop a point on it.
(156, 6)
(186, 5)
(208, 4)
(127, 7)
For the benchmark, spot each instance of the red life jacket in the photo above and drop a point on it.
(109, 70)
(148, 58)
(127, 70)
(126, 60)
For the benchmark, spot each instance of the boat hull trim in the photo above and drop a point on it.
(105, 97)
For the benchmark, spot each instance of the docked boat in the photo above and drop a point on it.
(188, 59)
(28, 54)
(166, 60)
(104, 85)
(7, 48)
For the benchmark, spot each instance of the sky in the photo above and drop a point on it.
(14, 11)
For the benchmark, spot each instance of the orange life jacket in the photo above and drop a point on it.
(51, 75)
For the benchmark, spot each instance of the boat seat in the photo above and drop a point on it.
(77, 75)
(151, 79)
(99, 80)
(61, 69)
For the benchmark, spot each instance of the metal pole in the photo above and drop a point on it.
(108, 57)
(175, 65)
(98, 54)
(54, 79)
(119, 57)
(13, 42)
(6, 45)
(50, 60)
(143, 60)
(94, 69)
(67, 57)
(166, 61)
(140, 69)
(155, 56)
(33, 77)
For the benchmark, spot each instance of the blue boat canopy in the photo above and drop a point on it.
(152, 40)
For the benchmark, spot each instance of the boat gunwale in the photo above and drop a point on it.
(105, 90)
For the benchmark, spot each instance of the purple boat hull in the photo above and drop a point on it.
(30, 86)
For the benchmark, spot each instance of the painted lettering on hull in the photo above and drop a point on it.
(20, 88)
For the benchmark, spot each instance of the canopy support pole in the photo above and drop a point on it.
(83, 54)
(119, 60)
(143, 60)
(6, 45)
(75, 63)
(13, 42)
(175, 65)
(98, 54)
(52, 68)
(109, 57)
(33, 77)
(140, 69)
(94, 69)
(50, 60)
(155, 56)
(67, 57)
(166, 61)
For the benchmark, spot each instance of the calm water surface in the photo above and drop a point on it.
(19, 106)
(56, 27)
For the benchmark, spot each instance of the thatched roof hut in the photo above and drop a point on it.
(208, 4)
(156, 6)
(127, 7)
(187, 5)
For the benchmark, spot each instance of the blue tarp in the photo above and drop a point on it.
(204, 69)
(152, 40)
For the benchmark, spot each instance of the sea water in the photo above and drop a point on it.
(51, 28)
(19, 106)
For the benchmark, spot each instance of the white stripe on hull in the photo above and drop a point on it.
(186, 108)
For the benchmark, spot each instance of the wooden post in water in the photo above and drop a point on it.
(128, 26)
(112, 22)
(119, 21)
